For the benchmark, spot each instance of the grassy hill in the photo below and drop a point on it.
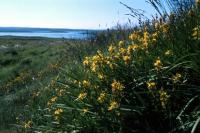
(28, 64)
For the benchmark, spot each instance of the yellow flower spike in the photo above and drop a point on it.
(127, 59)
(53, 99)
(28, 124)
(154, 37)
(157, 25)
(122, 51)
(151, 85)
(86, 83)
(99, 52)
(176, 78)
(111, 49)
(101, 76)
(168, 53)
(85, 110)
(102, 97)
(158, 64)
(81, 96)
(61, 92)
(165, 28)
(196, 33)
(121, 43)
(94, 67)
(96, 87)
(100, 55)
(86, 61)
(108, 62)
(133, 36)
(145, 38)
(58, 111)
(113, 105)
(117, 86)
(129, 49)
(96, 58)
(112, 66)
(116, 57)
(132, 48)
(164, 97)
(75, 82)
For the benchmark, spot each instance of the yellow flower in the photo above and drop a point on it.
(86, 83)
(94, 67)
(96, 58)
(112, 66)
(61, 92)
(127, 59)
(85, 110)
(122, 51)
(86, 61)
(116, 57)
(52, 100)
(121, 43)
(81, 96)
(165, 28)
(145, 38)
(28, 124)
(99, 53)
(157, 25)
(168, 52)
(158, 64)
(196, 33)
(151, 85)
(96, 87)
(155, 36)
(176, 78)
(75, 82)
(111, 49)
(164, 97)
(35, 94)
(101, 76)
(113, 105)
(101, 98)
(132, 48)
(133, 36)
(58, 111)
(117, 86)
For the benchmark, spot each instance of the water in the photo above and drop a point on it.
(50, 33)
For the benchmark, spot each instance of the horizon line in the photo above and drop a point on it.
(54, 28)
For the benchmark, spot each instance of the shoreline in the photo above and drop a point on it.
(38, 38)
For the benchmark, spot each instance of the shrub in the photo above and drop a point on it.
(148, 82)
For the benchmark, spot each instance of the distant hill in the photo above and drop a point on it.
(43, 30)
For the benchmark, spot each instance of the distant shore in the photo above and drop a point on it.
(46, 32)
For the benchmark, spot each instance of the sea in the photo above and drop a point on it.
(46, 32)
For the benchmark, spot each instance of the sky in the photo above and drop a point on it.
(74, 14)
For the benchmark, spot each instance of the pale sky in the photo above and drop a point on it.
(78, 14)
